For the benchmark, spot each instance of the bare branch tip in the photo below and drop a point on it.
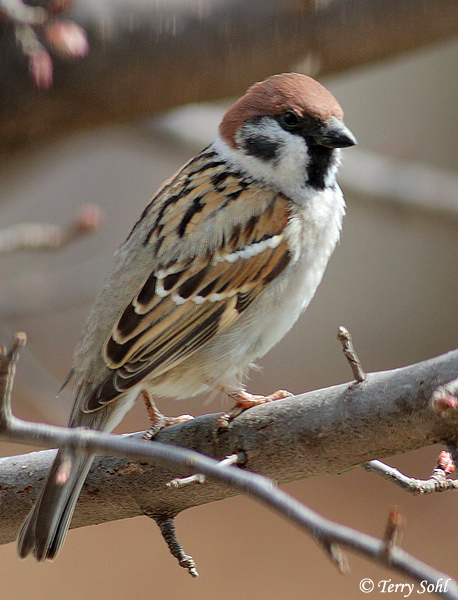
(393, 530)
(86, 222)
(20, 338)
(438, 482)
(338, 558)
(89, 218)
(343, 333)
(19, 341)
(445, 462)
(167, 527)
(182, 481)
(344, 337)
(233, 459)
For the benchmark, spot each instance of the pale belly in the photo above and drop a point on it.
(224, 361)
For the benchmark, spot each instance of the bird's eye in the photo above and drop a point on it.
(289, 119)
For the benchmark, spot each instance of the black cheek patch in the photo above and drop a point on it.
(317, 169)
(261, 147)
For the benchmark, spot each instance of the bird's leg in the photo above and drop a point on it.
(244, 400)
(157, 419)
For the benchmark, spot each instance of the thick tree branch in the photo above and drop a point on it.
(328, 534)
(325, 431)
(148, 57)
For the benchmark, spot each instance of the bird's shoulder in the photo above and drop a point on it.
(202, 205)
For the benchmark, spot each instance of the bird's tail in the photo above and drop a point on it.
(44, 530)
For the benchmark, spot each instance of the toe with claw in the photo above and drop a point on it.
(157, 419)
(244, 400)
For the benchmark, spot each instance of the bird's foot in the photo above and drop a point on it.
(157, 419)
(244, 400)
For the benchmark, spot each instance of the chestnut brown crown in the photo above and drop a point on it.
(277, 94)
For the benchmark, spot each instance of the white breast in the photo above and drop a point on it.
(313, 233)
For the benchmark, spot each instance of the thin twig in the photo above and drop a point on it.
(182, 481)
(438, 481)
(167, 527)
(344, 338)
(234, 459)
(392, 533)
(18, 12)
(8, 362)
(43, 236)
(337, 557)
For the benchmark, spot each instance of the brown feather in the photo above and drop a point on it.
(185, 302)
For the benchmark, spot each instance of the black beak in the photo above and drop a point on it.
(335, 135)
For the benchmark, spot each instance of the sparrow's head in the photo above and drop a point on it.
(286, 131)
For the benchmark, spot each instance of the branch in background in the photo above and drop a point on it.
(66, 38)
(407, 390)
(42, 236)
(197, 44)
(407, 185)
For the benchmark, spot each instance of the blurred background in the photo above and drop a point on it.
(392, 281)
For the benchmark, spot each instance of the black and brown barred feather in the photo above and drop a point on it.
(185, 302)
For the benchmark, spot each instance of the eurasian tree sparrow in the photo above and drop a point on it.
(218, 268)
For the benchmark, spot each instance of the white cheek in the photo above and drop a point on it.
(291, 166)
(287, 172)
